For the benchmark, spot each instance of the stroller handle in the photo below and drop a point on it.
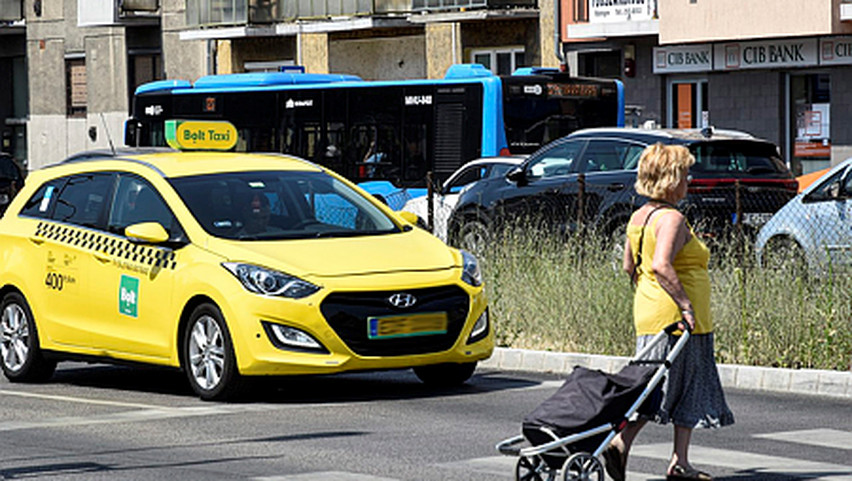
(680, 325)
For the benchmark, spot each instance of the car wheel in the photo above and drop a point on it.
(22, 358)
(474, 236)
(784, 253)
(445, 375)
(208, 358)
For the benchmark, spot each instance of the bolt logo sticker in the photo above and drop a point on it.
(128, 296)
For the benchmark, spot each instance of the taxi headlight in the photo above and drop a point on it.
(470, 270)
(261, 280)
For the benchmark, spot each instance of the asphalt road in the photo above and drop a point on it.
(105, 422)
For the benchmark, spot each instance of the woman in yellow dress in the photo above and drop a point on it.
(672, 284)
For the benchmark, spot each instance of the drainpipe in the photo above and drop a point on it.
(557, 13)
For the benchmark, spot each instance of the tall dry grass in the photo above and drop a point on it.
(552, 293)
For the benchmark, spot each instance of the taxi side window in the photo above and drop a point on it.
(42, 202)
(83, 199)
(137, 201)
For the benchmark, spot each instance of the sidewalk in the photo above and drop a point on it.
(796, 381)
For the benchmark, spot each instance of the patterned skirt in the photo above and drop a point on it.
(692, 393)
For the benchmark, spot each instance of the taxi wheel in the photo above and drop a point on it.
(20, 352)
(445, 375)
(208, 358)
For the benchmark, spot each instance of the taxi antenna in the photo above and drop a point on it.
(109, 137)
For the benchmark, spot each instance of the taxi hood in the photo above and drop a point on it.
(411, 251)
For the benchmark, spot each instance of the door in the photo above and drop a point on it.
(547, 193)
(73, 210)
(609, 167)
(689, 104)
(133, 297)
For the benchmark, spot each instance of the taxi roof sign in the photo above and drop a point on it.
(200, 135)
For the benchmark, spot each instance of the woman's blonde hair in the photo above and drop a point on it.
(661, 169)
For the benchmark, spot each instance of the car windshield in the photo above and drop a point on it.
(268, 205)
(736, 156)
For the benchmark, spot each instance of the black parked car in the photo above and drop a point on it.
(11, 180)
(735, 174)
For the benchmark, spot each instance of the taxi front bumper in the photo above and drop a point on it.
(339, 323)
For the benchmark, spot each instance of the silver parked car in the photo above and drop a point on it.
(815, 227)
(445, 200)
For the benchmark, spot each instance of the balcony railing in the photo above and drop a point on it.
(11, 10)
(242, 12)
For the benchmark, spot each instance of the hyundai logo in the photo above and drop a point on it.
(402, 299)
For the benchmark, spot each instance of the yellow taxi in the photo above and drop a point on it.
(228, 266)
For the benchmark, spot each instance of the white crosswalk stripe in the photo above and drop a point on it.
(826, 438)
(751, 462)
(325, 476)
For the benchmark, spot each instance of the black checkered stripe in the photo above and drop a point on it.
(113, 246)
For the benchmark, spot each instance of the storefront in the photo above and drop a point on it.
(782, 90)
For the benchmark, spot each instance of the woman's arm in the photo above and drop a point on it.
(628, 263)
(672, 234)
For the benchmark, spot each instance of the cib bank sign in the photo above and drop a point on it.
(804, 52)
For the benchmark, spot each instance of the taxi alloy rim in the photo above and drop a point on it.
(14, 343)
(206, 352)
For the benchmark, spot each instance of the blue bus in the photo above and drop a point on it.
(384, 135)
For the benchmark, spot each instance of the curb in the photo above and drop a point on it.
(837, 384)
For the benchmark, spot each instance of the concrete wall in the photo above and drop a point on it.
(383, 58)
(646, 89)
(702, 21)
(841, 105)
(314, 52)
(443, 48)
(546, 32)
(182, 59)
(749, 101)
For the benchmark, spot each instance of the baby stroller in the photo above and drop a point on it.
(570, 430)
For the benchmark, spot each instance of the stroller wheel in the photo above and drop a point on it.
(582, 467)
(532, 468)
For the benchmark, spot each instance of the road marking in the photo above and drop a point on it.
(827, 438)
(52, 397)
(325, 476)
(750, 462)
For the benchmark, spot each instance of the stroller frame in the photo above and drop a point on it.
(580, 465)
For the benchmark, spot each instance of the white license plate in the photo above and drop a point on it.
(754, 219)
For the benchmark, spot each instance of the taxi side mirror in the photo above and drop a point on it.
(146, 232)
(409, 217)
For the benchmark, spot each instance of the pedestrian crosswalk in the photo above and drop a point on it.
(737, 464)
(741, 465)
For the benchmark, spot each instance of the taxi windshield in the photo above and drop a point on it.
(269, 205)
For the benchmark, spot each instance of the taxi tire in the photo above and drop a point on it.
(230, 383)
(445, 375)
(36, 368)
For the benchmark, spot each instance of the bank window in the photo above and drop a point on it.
(501, 61)
(76, 88)
(810, 122)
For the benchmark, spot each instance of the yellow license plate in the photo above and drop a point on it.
(407, 325)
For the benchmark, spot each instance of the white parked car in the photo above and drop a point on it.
(815, 227)
(445, 200)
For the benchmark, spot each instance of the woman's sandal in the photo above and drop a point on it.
(614, 463)
(679, 473)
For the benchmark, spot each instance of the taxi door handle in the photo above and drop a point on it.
(36, 240)
(101, 257)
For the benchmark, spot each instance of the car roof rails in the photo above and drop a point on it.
(100, 154)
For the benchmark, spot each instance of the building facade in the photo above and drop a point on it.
(74, 64)
(779, 69)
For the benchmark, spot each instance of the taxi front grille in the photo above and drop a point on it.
(348, 312)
